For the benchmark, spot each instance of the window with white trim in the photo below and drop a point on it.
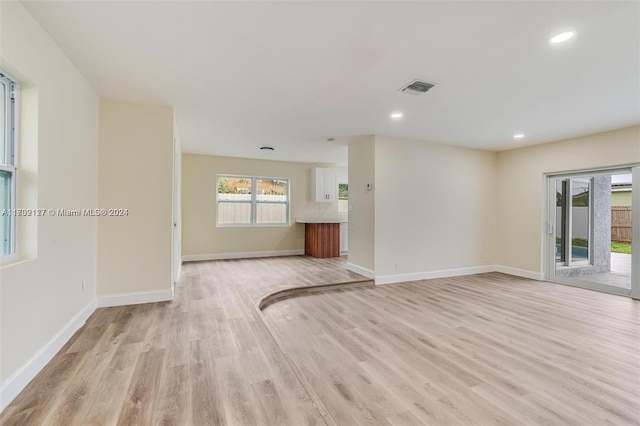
(7, 165)
(251, 200)
(343, 198)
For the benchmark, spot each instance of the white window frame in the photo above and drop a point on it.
(10, 163)
(342, 199)
(254, 201)
(549, 231)
(568, 232)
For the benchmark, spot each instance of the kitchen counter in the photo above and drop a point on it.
(321, 236)
(322, 220)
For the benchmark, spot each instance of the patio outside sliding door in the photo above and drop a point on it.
(592, 231)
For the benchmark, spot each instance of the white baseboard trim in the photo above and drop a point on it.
(520, 272)
(360, 270)
(21, 378)
(245, 255)
(135, 298)
(428, 275)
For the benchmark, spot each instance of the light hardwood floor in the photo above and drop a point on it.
(489, 349)
(486, 349)
(205, 359)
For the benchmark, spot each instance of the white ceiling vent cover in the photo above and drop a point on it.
(417, 87)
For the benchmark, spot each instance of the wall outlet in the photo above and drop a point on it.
(397, 266)
(83, 285)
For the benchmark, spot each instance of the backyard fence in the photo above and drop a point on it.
(236, 208)
(621, 224)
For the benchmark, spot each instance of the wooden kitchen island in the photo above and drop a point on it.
(321, 237)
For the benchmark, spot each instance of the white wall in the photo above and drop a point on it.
(435, 209)
(202, 239)
(176, 239)
(362, 205)
(42, 294)
(521, 187)
(136, 156)
(342, 174)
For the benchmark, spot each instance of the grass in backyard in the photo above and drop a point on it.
(620, 247)
(580, 242)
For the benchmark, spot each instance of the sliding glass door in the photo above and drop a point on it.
(573, 221)
(591, 229)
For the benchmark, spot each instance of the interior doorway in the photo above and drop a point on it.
(591, 230)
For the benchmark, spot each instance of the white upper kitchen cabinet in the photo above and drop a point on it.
(324, 185)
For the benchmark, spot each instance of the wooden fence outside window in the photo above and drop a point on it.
(621, 224)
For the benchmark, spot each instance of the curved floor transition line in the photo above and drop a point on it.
(288, 293)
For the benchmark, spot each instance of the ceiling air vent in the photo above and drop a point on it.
(417, 87)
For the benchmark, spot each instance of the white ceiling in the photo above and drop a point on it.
(292, 74)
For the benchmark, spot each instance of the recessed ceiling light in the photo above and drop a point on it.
(518, 136)
(562, 37)
(396, 115)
